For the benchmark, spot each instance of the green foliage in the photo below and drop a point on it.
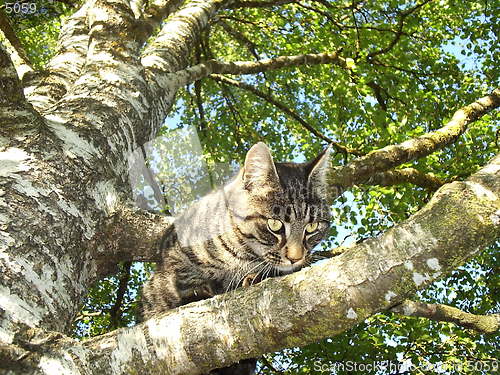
(405, 82)
(101, 313)
(40, 41)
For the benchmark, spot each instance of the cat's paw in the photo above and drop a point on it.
(250, 279)
(205, 291)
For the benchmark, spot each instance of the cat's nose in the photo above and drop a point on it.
(293, 260)
(294, 253)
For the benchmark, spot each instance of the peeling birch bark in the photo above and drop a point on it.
(44, 88)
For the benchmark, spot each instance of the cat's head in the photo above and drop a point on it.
(286, 211)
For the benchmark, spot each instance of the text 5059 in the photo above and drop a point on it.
(15, 7)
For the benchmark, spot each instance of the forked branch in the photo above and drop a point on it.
(360, 170)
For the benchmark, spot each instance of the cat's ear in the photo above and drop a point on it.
(259, 171)
(318, 173)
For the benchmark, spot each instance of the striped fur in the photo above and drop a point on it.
(226, 239)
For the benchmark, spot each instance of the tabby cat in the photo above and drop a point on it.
(263, 223)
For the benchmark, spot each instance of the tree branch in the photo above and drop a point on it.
(406, 175)
(123, 279)
(360, 170)
(105, 18)
(373, 276)
(444, 313)
(170, 51)
(11, 89)
(188, 24)
(209, 67)
(11, 36)
(111, 79)
(44, 88)
(131, 234)
(286, 110)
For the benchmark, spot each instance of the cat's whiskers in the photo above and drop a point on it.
(269, 267)
(239, 265)
(240, 275)
(244, 271)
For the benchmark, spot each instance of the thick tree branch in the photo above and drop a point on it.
(406, 175)
(360, 170)
(209, 67)
(444, 313)
(112, 91)
(131, 234)
(10, 86)
(188, 23)
(460, 220)
(287, 111)
(170, 51)
(44, 88)
(113, 31)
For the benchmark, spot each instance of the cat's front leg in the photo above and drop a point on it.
(160, 293)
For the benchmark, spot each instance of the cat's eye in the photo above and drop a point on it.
(274, 225)
(311, 227)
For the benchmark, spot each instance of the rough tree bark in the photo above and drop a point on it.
(66, 217)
